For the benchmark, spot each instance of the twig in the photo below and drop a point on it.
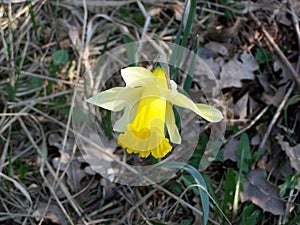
(45, 77)
(279, 109)
(291, 200)
(5, 149)
(11, 46)
(297, 29)
(262, 112)
(146, 24)
(37, 100)
(277, 50)
(95, 3)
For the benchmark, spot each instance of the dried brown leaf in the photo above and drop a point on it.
(262, 193)
(54, 139)
(205, 53)
(74, 171)
(256, 139)
(283, 19)
(75, 174)
(74, 35)
(220, 33)
(230, 150)
(154, 11)
(217, 48)
(275, 99)
(89, 170)
(234, 71)
(62, 160)
(178, 9)
(285, 73)
(53, 213)
(214, 64)
(292, 152)
(71, 165)
(51, 181)
(253, 106)
(263, 80)
(296, 6)
(240, 108)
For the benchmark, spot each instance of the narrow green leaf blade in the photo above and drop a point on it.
(199, 180)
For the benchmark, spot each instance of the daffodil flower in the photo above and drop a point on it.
(147, 100)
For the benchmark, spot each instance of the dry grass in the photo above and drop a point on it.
(35, 96)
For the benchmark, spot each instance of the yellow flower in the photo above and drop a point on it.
(148, 101)
(146, 134)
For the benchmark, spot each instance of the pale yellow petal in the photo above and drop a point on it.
(210, 113)
(184, 102)
(127, 117)
(137, 76)
(115, 99)
(171, 125)
(207, 112)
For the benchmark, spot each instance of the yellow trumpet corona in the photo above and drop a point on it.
(146, 134)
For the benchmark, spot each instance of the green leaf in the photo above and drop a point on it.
(78, 115)
(36, 82)
(176, 55)
(262, 56)
(202, 189)
(20, 167)
(188, 180)
(212, 189)
(124, 13)
(65, 110)
(198, 153)
(60, 57)
(229, 187)
(229, 14)
(190, 20)
(187, 222)
(11, 90)
(176, 187)
(290, 182)
(189, 78)
(139, 18)
(244, 151)
(32, 17)
(243, 165)
(250, 215)
(131, 51)
(58, 103)
(157, 223)
(107, 126)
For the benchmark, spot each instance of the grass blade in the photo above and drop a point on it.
(189, 78)
(177, 54)
(201, 185)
